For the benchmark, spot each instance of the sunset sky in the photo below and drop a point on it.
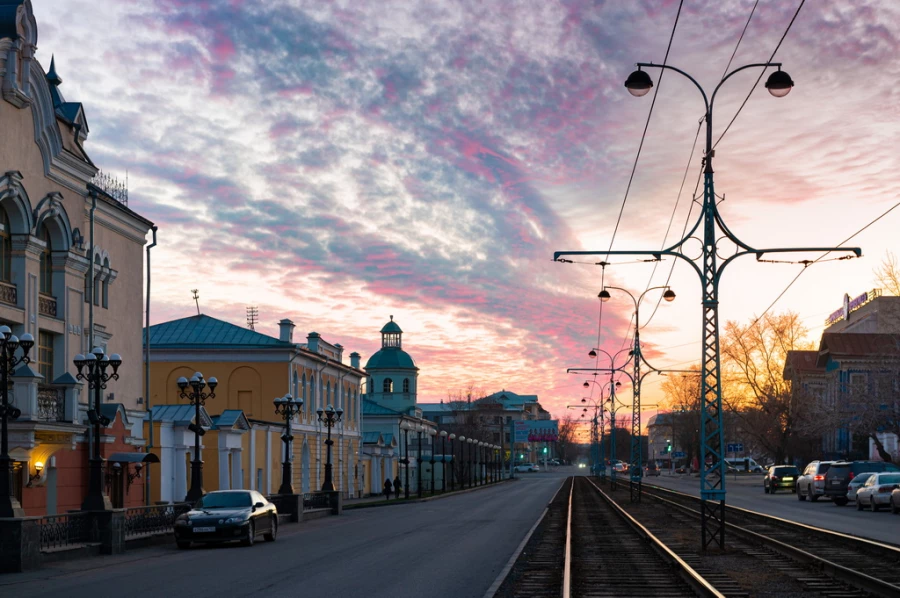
(339, 162)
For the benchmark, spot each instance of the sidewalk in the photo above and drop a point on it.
(379, 501)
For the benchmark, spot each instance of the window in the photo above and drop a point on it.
(388, 385)
(95, 293)
(105, 285)
(305, 394)
(5, 248)
(406, 385)
(295, 386)
(328, 394)
(45, 356)
(46, 279)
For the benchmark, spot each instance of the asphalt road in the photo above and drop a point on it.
(453, 547)
(747, 493)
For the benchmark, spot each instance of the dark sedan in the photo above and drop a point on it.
(781, 477)
(227, 515)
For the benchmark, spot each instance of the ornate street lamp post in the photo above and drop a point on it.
(463, 475)
(471, 442)
(193, 391)
(9, 504)
(479, 460)
(330, 418)
(96, 363)
(432, 432)
(287, 407)
(452, 437)
(405, 426)
(419, 429)
(443, 462)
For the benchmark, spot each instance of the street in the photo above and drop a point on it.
(454, 546)
(747, 493)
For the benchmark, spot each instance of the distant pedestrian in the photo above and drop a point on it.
(397, 486)
(387, 489)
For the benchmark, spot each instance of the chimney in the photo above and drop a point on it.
(286, 331)
(312, 342)
(354, 360)
(340, 352)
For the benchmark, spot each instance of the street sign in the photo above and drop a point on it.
(737, 447)
(678, 454)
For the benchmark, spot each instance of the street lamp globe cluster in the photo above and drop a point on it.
(92, 368)
(9, 345)
(287, 407)
(194, 391)
(329, 417)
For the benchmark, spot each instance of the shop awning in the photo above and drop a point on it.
(133, 458)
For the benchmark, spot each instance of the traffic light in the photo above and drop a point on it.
(545, 450)
(668, 446)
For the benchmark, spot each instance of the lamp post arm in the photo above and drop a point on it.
(736, 71)
(856, 251)
(657, 254)
(692, 80)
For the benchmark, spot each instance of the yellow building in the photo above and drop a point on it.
(242, 447)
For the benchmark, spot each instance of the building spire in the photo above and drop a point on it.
(52, 78)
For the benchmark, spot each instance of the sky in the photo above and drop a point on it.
(336, 163)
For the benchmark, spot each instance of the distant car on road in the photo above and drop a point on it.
(856, 483)
(227, 515)
(651, 469)
(620, 467)
(744, 464)
(781, 476)
(526, 467)
(838, 477)
(876, 492)
(812, 483)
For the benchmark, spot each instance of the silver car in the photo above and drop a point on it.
(812, 483)
(855, 484)
(876, 492)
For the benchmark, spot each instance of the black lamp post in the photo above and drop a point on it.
(330, 418)
(432, 432)
(443, 462)
(287, 406)
(464, 474)
(405, 426)
(452, 437)
(419, 461)
(471, 442)
(193, 391)
(96, 363)
(478, 459)
(9, 504)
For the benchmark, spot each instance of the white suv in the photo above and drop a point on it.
(812, 483)
(524, 467)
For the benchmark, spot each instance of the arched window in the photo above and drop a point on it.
(5, 248)
(388, 385)
(295, 386)
(310, 392)
(46, 281)
(98, 266)
(327, 392)
(406, 385)
(304, 394)
(105, 285)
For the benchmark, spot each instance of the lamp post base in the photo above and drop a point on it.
(9, 504)
(196, 491)
(96, 499)
(286, 474)
(328, 484)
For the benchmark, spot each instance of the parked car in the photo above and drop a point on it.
(876, 492)
(620, 467)
(856, 483)
(838, 477)
(526, 467)
(812, 483)
(781, 476)
(895, 502)
(743, 464)
(227, 515)
(652, 469)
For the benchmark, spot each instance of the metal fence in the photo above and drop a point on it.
(316, 500)
(58, 531)
(154, 519)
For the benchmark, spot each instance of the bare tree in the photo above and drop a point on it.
(887, 275)
(567, 442)
(754, 388)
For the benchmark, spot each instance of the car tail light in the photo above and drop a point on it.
(819, 478)
(775, 478)
(852, 475)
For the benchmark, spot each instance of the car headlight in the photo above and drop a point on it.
(234, 520)
(183, 521)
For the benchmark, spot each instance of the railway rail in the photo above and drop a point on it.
(589, 546)
(868, 566)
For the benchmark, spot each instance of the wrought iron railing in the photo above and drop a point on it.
(51, 404)
(112, 186)
(316, 500)
(155, 519)
(59, 531)
(9, 293)
(47, 305)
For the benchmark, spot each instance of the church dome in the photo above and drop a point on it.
(391, 356)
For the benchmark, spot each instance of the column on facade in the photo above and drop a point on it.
(180, 481)
(237, 479)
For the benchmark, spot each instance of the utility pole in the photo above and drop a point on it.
(196, 299)
(711, 225)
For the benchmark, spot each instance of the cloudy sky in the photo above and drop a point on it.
(339, 162)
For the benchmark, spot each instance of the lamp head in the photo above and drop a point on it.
(638, 83)
(604, 295)
(443, 433)
(115, 360)
(592, 353)
(12, 342)
(669, 295)
(452, 437)
(779, 84)
(319, 412)
(212, 382)
(586, 384)
(462, 438)
(583, 400)
(182, 382)
(26, 342)
(98, 352)
(5, 332)
(39, 466)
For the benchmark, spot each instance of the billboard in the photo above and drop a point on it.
(542, 430)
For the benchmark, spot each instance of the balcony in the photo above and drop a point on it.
(46, 305)
(9, 293)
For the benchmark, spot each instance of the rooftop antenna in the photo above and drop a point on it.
(196, 299)
(252, 317)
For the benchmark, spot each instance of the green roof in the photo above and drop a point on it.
(391, 327)
(391, 358)
(208, 332)
(373, 408)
